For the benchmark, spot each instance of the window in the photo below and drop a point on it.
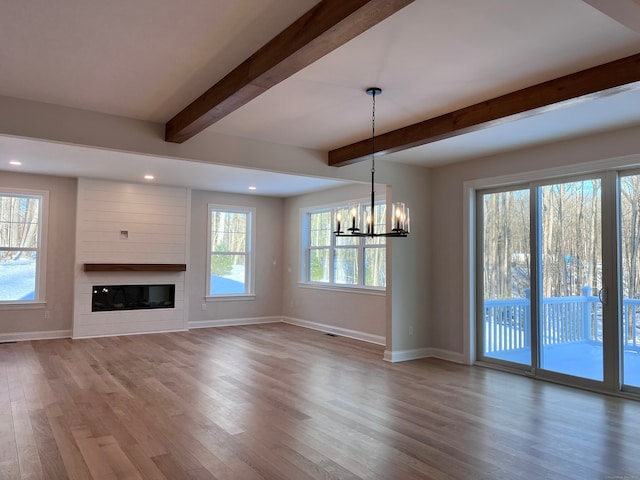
(230, 266)
(344, 261)
(21, 246)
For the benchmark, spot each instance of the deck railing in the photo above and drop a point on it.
(563, 320)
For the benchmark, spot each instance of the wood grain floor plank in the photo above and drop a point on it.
(48, 447)
(143, 463)
(282, 402)
(26, 448)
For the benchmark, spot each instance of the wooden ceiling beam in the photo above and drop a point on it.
(327, 26)
(596, 82)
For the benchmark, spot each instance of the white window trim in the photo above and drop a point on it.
(39, 299)
(338, 287)
(304, 281)
(250, 266)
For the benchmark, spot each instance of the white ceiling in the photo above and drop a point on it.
(149, 58)
(73, 161)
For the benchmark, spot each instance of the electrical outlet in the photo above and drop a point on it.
(411, 330)
(46, 314)
(204, 307)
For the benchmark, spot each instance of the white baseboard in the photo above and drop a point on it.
(26, 336)
(419, 353)
(232, 322)
(343, 332)
(406, 355)
(126, 334)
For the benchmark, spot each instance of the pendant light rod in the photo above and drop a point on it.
(373, 91)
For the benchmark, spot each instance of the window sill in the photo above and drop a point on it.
(228, 298)
(379, 292)
(22, 305)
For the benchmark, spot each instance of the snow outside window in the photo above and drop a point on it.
(21, 247)
(230, 265)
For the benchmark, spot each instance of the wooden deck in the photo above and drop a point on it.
(282, 402)
(580, 359)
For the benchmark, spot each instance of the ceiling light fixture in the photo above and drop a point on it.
(252, 187)
(400, 219)
(15, 162)
(149, 177)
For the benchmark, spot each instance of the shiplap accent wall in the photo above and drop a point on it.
(157, 221)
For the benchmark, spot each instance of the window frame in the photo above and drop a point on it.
(362, 245)
(249, 293)
(39, 298)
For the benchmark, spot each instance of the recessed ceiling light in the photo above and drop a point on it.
(149, 177)
(15, 162)
(253, 187)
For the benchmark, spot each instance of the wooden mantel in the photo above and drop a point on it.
(135, 267)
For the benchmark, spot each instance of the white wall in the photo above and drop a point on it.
(360, 315)
(267, 304)
(157, 221)
(17, 324)
(408, 266)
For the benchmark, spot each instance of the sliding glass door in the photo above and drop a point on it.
(630, 274)
(570, 259)
(506, 276)
(540, 289)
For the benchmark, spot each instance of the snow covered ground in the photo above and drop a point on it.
(17, 279)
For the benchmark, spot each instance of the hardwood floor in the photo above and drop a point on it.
(282, 402)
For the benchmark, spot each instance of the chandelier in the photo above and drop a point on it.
(400, 219)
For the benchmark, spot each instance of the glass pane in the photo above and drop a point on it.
(630, 243)
(320, 229)
(319, 265)
(506, 257)
(238, 242)
(346, 266)
(19, 217)
(17, 275)
(229, 231)
(220, 242)
(379, 226)
(375, 267)
(570, 330)
(228, 274)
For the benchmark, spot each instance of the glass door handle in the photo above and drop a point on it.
(603, 295)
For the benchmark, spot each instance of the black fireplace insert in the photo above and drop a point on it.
(132, 297)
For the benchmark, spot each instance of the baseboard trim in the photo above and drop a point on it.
(343, 332)
(233, 322)
(406, 355)
(27, 336)
(420, 353)
(126, 334)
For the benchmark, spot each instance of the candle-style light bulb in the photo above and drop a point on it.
(338, 220)
(369, 223)
(407, 224)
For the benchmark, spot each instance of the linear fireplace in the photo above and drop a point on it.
(132, 297)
